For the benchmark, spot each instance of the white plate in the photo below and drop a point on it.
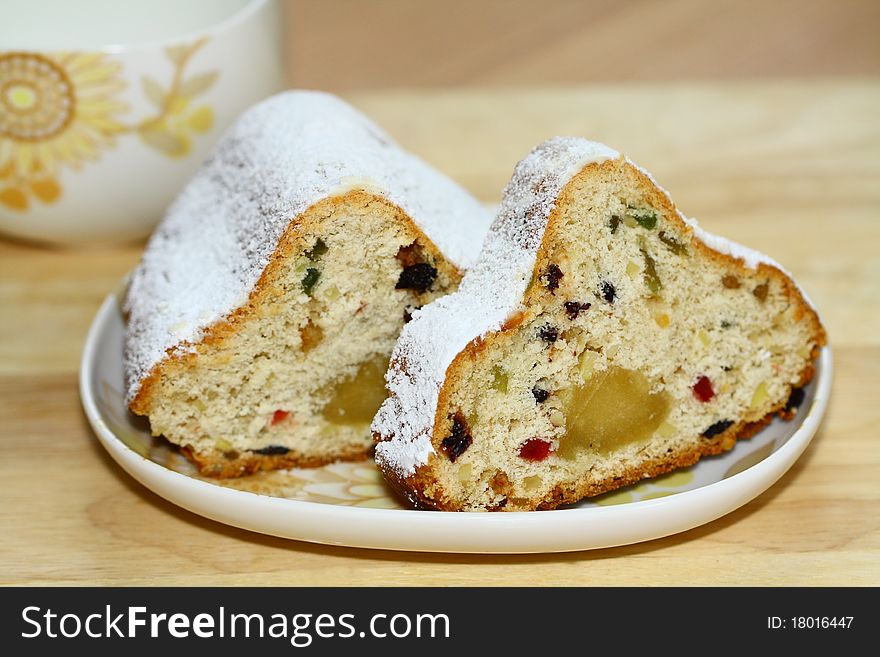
(348, 504)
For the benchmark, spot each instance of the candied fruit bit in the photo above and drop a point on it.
(557, 418)
(678, 248)
(612, 409)
(608, 292)
(410, 254)
(532, 483)
(795, 399)
(310, 280)
(271, 450)
(662, 320)
(465, 472)
(730, 281)
(759, 396)
(761, 291)
(500, 483)
(550, 277)
(310, 336)
(614, 223)
(355, 401)
(331, 293)
(223, 445)
(632, 269)
(499, 379)
(574, 308)
(418, 277)
(548, 333)
(704, 338)
(316, 251)
(703, 390)
(456, 444)
(586, 364)
(718, 427)
(540, 394)
(279, 416)
(535, 449)
(652, 280)
(629, 222)
(301, 263)
(644, 217)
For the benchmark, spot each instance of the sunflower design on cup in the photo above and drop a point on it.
(66, 109)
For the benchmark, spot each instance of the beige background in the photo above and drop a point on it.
(368, 44)
(771, 139)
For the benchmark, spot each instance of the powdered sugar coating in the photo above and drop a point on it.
(489, 295)
(281, 156)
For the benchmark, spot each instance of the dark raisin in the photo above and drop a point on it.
(317, 251)
(673, 244)
(608, 292)
(574, 308)
(550, 278)
(271, 450)
(760, 292)
(458, 441)
(540, 394)
(309, 280)
(718, 427)
(795, 399)
(548, 333)
(614, 224)
(418, 277)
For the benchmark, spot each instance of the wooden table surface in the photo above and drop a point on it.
(792, 169)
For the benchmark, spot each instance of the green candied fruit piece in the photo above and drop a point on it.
(672, 244)
(652, 280)
(499, 379)
(645, 217)
(614, 223)
(317, 251)
(310, 280)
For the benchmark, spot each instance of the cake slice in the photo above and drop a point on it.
(600, 339)
(263, 313)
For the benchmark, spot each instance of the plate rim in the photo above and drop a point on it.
(716, 499)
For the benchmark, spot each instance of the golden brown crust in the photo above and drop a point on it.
(293, 241)
(225, 465)
(423, 491)
(422, 488)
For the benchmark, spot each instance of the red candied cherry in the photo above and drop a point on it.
(279, 416)
(703, 389)
(534, 449)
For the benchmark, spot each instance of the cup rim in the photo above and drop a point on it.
(249, 8)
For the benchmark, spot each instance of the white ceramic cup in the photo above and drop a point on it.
(107, 107)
